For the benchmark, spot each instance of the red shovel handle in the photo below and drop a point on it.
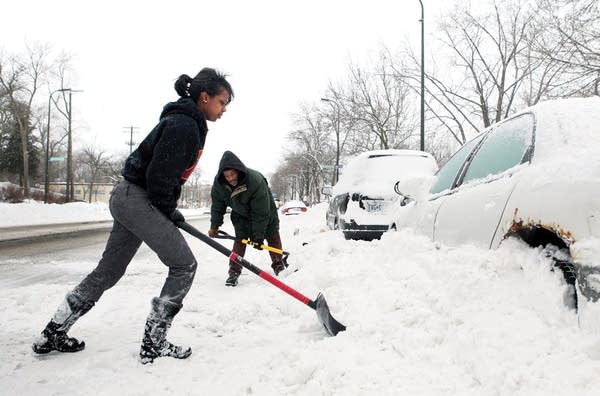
(272, 280)
(246, 264)
(331, 326)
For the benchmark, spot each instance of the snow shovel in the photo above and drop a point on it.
(331, 326)
(283, 253)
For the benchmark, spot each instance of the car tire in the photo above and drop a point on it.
(563, 262)
(336, 224)
(340, 227)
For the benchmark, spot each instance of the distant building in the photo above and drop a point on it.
(100, 191)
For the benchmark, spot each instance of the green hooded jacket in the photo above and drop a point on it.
(253, 210)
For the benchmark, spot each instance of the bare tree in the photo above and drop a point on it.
(338, 115)
(372, 110)
(572, 41)
(506, 56)
(114, 166)
(59, 76)
(310, 151)
(489, 50)
(484, 66)
(284, 179)
(376, 106)
(20, 80)
(95, 163)
(22, 76)
(306, 166)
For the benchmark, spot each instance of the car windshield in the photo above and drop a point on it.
(447, 174)
(504, 148)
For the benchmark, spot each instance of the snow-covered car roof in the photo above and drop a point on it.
(566, 136)
(565, 124)
(376, 172)
(294, 204)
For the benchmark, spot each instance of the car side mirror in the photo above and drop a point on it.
(414, 188)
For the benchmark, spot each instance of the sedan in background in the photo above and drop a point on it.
(293, 208)
(534, 176)
(361, 200)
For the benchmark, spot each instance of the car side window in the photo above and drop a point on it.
(506, 146)
(447, 174)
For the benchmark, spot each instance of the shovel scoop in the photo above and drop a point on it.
(331, 326)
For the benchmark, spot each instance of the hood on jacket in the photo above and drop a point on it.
(231, 161)
(188, 107)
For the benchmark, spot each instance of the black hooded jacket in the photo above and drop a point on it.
(168, 155)
(253, 210)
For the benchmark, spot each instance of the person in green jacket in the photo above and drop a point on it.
(253, 211)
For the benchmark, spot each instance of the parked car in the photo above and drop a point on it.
(293, 208)
(534, 176)
(361, 199)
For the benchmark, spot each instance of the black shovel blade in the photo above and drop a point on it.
(332, 326)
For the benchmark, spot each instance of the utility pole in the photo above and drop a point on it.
(130, 143)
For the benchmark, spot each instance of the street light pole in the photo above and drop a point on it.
(422, 76)
(70, 188)
(46, 182)
(337, 139)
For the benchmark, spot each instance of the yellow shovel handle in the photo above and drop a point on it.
(265, 247)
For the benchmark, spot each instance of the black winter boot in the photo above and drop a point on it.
(278, 266)
(232, 280)
(54, 336)
(154, 342)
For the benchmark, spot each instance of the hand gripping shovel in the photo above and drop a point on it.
(283, 253)
(331, 326)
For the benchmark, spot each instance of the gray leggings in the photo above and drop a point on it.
(137, 221)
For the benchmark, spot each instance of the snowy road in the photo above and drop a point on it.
(60, 259)
(422, 318)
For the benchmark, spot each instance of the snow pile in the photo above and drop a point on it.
(422, 319)
(38, 213)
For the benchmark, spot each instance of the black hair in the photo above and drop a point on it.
(207, 80)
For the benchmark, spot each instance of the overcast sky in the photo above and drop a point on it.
(127, 55)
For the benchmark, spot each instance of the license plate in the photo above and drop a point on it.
(374, 206)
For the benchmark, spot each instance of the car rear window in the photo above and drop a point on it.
(377, 173)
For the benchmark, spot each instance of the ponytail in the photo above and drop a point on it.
(182, 85)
